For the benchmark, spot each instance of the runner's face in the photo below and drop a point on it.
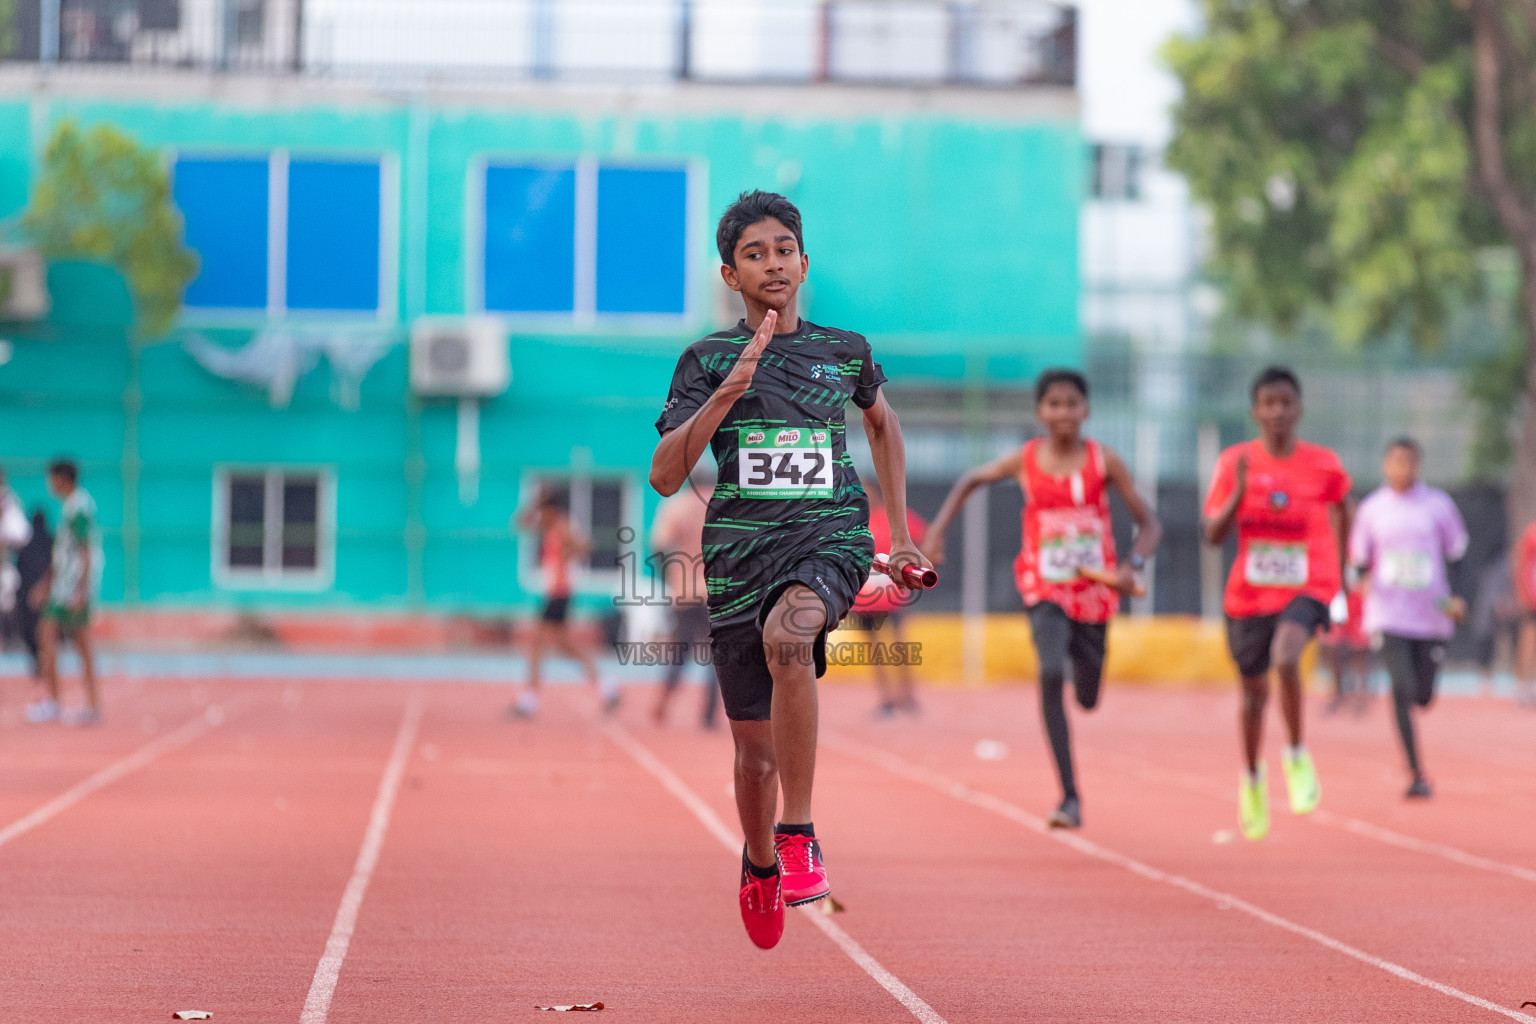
(1062, 410)
(1277, 410)
(769, 265)
(1400, 468)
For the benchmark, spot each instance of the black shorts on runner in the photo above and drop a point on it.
(1061, 640)
(1249, 639)
(746, 683)
(556, 609)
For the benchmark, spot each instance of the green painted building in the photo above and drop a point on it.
(271, 451)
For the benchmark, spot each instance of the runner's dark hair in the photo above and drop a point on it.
(1270, 376)
(751, 208)
(1059, 375)
(1404, 441)
(65, 468)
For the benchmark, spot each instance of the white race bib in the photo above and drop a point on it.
(1406, 570)
(1274, 564)
(792, 462)
(1070, 539)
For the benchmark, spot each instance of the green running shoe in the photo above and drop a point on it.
(1253, 805)
(1301, 782)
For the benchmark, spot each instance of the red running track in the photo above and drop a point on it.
(376, 852)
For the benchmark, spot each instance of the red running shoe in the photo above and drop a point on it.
(762, 909)
(805, 876)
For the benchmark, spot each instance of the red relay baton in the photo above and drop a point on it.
(916, 576)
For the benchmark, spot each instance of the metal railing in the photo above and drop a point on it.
(1000, 43)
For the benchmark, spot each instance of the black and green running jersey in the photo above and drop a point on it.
(787, 490)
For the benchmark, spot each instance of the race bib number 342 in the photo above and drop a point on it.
(791, 462)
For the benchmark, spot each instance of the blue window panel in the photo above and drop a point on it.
(223, 204)
(333, 235)
(642, 238)
(530, 240)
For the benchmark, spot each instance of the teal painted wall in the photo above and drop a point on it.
(935, 235)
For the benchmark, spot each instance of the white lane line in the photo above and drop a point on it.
(209, 718)
(960, 791)
(328, 970)
(1364, 829)
(732, 842)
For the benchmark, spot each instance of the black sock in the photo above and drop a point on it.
(748, 868)
(807, 829)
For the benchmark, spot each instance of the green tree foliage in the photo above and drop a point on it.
(101, 196)
(1356, 155)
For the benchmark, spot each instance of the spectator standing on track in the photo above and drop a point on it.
(786, 539)
(1066, 570)
(1523, 572)
(677, 538)
(1348, 650)
(65, 595)
(1495, 615)
(1405, 538)
(15, 533)
(1288, 500)
(32, 563)
(559, 545)
(880, 608)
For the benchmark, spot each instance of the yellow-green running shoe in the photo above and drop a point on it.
(1253, 804)
(1301, 782)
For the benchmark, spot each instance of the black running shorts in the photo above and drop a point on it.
(1250, 639)
(746, 683)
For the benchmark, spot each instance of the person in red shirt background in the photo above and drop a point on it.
(879, 609)
(1288, 501)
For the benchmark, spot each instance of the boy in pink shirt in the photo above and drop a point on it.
(1405, 536)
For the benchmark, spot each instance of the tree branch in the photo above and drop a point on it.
(1487, 127)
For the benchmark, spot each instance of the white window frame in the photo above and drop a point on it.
(585, 315)
(278, 161)
(584, 580)
(272, 575)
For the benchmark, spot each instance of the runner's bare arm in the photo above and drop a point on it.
(1149, 529)
(678, 450)
(1342, 515)
(1219, 526)
(890, 454)
(1004, 467)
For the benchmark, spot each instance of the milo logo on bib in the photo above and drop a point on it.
(788, 463)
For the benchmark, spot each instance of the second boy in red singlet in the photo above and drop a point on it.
(1067, 541)
(1286, 499)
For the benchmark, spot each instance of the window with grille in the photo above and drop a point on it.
(273, 527)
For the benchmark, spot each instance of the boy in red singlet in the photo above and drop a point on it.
(1288, 501)
(1067, 535)
(559, 546)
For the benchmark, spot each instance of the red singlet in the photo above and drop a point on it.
(1066, 526)
(557, 569)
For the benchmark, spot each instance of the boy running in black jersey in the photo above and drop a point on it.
(786, 541)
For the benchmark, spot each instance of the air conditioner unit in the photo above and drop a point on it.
(23, 284)
(459, 357)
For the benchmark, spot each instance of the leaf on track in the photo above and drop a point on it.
(573, 1006)
(191, 1015)
(831, 906)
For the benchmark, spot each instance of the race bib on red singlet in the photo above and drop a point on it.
(1276, 564)
(1070, 539)
(792, 462)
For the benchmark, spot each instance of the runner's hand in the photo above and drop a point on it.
(904, 555)
(1456, 608)
(739, 379)
(1125, 580)
(934, 552)
(1240, 475)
